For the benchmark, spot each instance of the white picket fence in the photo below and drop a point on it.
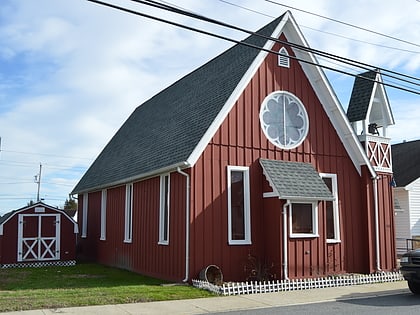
(236, 288)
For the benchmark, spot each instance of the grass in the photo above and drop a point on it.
(82, 285)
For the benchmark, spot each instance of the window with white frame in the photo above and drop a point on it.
(239, 217)
(85, 215)
(164, 209)
(103, 215)
(128, 227)
(303, 218)
(332, 212)
(283, 58)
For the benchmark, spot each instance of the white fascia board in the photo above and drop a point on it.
(412, 185)
(211, 131)
(329, 101)
(384, 98)
(320, 84)
(132, 179)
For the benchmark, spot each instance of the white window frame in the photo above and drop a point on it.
(164, 217)
(336, 212)
(283, 59)
(314, 220)
(283, 139)
(103, 215)
(247, 210)
(128, 218)
(85, 215)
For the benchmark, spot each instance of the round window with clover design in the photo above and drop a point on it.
(284, 120)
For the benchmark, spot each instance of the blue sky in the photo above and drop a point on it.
(71, 72)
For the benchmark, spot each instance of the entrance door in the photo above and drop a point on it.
(38, 237)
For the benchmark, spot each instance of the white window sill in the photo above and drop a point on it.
(333, 241)
(240, 242)
(303, 235)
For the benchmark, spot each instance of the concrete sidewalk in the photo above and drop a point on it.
(234, 303)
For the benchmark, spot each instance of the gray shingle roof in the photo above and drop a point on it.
(165, 130)
(295, 180)
(406, 162)
(360, 96)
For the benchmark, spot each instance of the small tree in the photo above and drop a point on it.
(70, 204)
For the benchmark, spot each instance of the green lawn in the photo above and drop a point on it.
(83, 284)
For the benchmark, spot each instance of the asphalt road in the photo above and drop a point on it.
(404, 304)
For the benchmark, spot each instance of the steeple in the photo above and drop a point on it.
(370, 115)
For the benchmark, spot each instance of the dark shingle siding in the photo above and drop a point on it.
(296, 180)
(406, 162)
(360, 96)
(165, 130)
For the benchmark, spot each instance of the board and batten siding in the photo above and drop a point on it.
(240, 141)
(143, 254)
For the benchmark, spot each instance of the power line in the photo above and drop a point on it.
(324, 32)
(247, 44)
(50, 166)
(344, 23)
(349, 61)
(48, 154)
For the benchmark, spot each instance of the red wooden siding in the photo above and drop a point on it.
(239, 141)
(143, 254)
(9, 239)
(386, 222)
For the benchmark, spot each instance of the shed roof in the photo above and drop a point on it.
(295, 180)
(406, 162)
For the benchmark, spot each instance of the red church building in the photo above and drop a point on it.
(253, 155)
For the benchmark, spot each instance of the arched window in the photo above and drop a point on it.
(283, 58)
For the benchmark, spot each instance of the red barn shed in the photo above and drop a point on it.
(37, 235)
(249, 155)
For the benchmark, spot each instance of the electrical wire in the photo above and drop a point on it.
(301, 47)
(241, 42)
(344, 23)
(47, 154)
(320, 31)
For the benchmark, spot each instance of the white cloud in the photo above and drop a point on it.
(72, 72)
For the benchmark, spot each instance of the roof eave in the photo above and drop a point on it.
(311, 199)
(153, 173)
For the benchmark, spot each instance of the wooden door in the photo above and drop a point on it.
(38, 237)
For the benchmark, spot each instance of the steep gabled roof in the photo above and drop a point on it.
(361, 96)
(368, 100)
(163, 131)
(406, 162)
(172, 128)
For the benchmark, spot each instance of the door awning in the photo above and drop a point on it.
(295, 180)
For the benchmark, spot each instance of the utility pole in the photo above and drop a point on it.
(38, 181)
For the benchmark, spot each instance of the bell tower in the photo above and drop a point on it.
(370, 115)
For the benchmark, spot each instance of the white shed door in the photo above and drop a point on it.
(38, 237)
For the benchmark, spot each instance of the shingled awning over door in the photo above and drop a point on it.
(295, 180)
